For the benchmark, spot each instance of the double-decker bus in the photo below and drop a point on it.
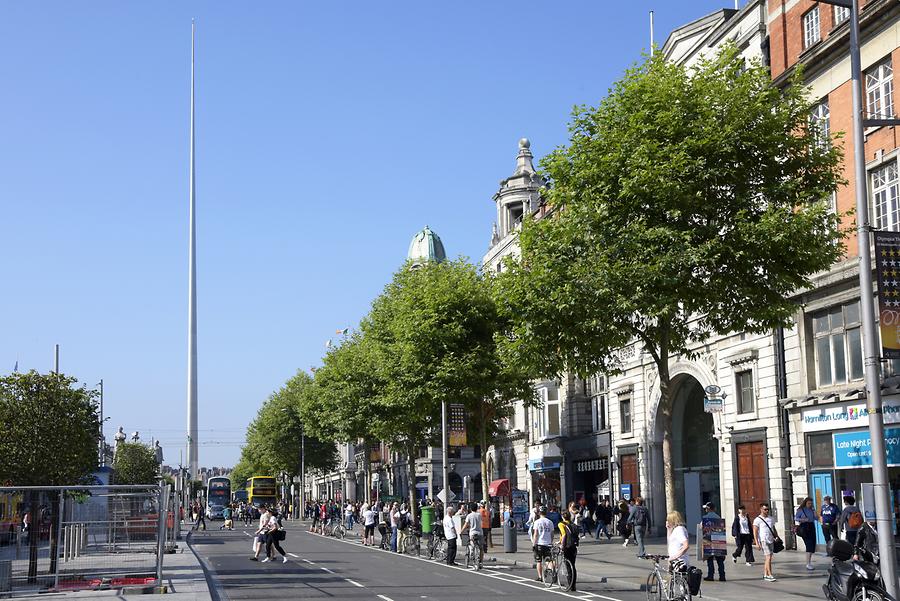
(261, 490)
(218, 495)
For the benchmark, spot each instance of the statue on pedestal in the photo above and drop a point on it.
(119, 438)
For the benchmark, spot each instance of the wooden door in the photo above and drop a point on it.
(630, 473)
(752, 481)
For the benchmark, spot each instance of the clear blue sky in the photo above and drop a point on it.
(327, 135)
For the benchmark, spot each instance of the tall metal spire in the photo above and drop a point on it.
(193, 459)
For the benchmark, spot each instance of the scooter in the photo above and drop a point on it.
(854, 574)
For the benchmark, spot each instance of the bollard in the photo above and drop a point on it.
(66, 539)
(510, 543)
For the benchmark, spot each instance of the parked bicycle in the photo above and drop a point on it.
(412, 542)
(558, 570)
(338, 530)
(669, 583)
(437, 544)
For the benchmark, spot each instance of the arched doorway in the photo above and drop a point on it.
(695, 450)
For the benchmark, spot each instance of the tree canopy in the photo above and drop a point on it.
(49, 430)
(690, 201)
(135, 463)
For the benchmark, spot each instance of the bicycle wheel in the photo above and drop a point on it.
(680, 589)
(549, 576)
(565, 572)
(340, 532)
(654, 587)
(469, 558)
(440, 550)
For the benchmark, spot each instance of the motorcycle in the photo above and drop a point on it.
(854, 574)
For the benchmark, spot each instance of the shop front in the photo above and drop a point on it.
(587, 460)
(545, 481)
(838, 448)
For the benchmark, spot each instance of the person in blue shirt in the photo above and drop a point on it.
(829, 515)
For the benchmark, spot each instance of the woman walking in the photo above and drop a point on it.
(274, 535)
(742, 531)
(624, 512)
(806, 520)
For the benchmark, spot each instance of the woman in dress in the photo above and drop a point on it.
(806, 519)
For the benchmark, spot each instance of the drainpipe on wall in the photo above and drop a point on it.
(784, 431)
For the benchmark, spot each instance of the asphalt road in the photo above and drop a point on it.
(326, 568)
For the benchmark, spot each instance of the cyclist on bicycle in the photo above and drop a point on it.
(541, 539)
(476, 534)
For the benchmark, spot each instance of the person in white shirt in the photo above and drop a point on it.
(765, 535)
(369, 519)
(541, 540)
(348, 516)
(677, 538)
(476, 533)
(450, 534)
(742, 532)
(260, 536)
(395, 525)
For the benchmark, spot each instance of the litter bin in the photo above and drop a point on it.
(509, 536)
(427, 520)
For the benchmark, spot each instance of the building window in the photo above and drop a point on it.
(511, 420)
(838, 345)
(811, 27)
(820, 124)
(841, 14)
(599, 396)
(744, 386)
(550, 398)
(880, 91)
(625, 414)
(885, 195)
(821, 451)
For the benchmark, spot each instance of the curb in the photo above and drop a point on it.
(215, 593)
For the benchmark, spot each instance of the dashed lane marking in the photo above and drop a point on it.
(312, 563)
(388, 598)
(327, 570)
(356, 584)
(293, 555)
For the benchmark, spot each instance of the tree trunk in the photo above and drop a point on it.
(485, 476)
(411, 480)
(665, 415)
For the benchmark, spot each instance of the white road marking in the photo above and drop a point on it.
(354, 583)
(309, 562)
(387, 598)
(327, 570)
(292, 555)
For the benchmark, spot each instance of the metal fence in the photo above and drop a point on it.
(89, 537)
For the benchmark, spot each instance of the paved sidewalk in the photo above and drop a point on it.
(609, 565)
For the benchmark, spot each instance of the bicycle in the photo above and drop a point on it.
(474, 550)
(411, 543)
(673, 588)
(558, 570)
(338, 530)
(437, 545)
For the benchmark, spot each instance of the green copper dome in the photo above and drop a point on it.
(426, 246)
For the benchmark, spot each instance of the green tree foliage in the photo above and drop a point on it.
(690, 201)
(135, 463)
(49, 430)
(430, 337)
(274, 437)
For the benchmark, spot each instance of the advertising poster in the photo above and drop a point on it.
(715, 539)
(887, 267)
(457, 425)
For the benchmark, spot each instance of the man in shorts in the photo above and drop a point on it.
(541, 540)
(764, 533)
(476, 533)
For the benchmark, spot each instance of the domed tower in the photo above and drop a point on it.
(426, 246)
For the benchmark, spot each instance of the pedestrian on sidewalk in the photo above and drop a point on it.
(639, 519)
(711, 514)
(806, 520)
(451, 535)
(677, 542)
(369, 518)
(486, 518)
(851, 520)
(603, 517)
(743, 536)
(765, 535)
(568, 542)
(829, 514)
(623, 511)
(541, 541)
(585, 515)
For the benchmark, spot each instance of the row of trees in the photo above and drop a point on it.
(690, 201)
(50, 435)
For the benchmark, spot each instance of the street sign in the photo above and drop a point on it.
(441, 495)
(714, 405)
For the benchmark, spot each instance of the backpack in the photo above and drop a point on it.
(571, 536)
(641, 516)
(403, 522)
(855, 520)
(695, 579)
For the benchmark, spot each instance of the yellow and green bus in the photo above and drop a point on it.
(261, 490)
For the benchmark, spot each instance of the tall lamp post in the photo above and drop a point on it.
(872, 355)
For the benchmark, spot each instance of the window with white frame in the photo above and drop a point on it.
(551, 413)
(838, 345)
(625, 414)
(511, 420)
(597, 392)
(811, 27)
(743, 381)
(885, 199)
(820, 123)
(841, 14)
(880, 90)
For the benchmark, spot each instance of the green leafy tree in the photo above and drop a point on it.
(135, 463)
(49, 430)
(690, 201)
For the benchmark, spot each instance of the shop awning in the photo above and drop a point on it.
(499, 488)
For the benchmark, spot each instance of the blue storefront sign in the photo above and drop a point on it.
(853, 449)
(625, 491)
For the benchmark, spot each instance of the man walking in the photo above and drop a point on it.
(711, 514)
(451, 535)
(639, 518)
(829, 518)
(603, 516)
(765, 535)
(541, 540)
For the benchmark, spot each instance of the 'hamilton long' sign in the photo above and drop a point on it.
(887, 268)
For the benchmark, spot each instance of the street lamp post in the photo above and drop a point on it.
(102, 461)
(872, 356)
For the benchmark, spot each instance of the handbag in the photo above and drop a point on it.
(778, 544)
